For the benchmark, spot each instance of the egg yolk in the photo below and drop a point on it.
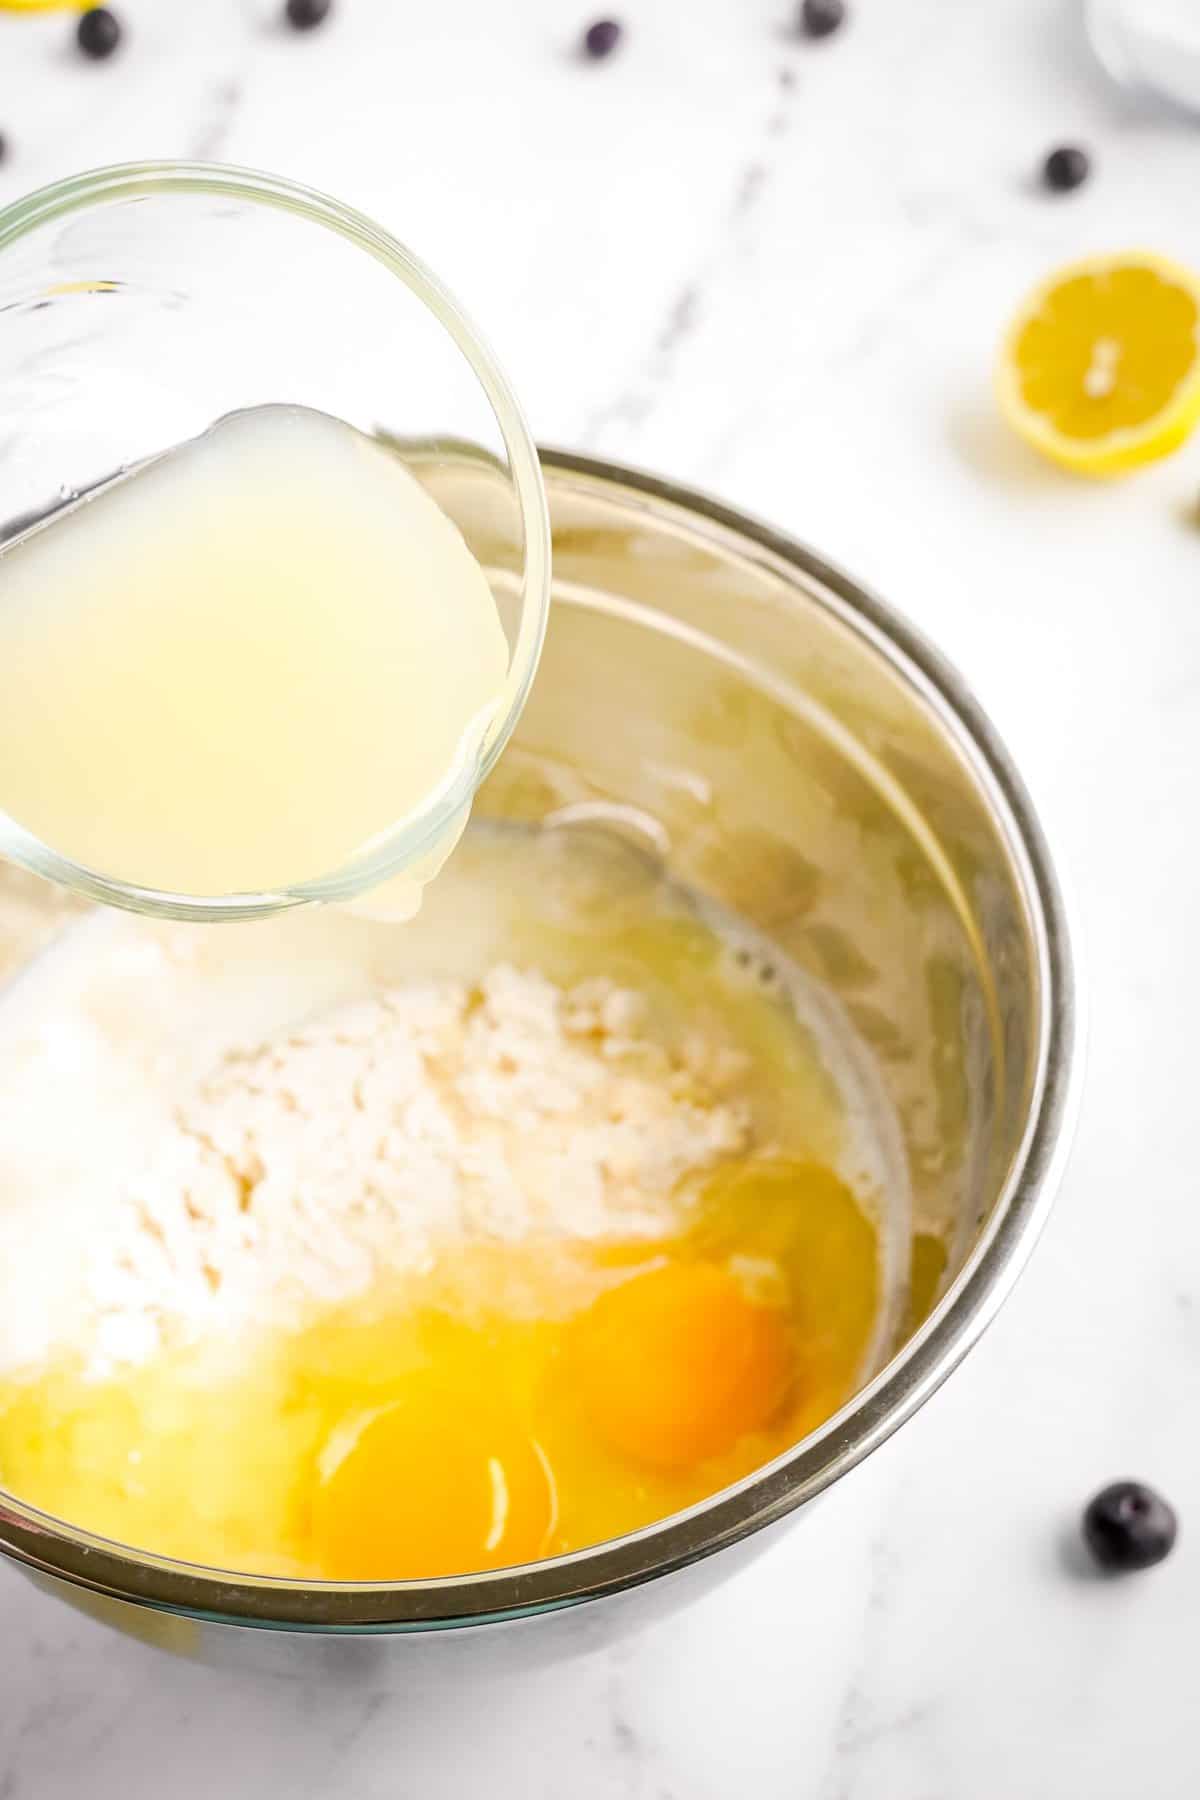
(677, 1364)
(510, 1403)
(439, 1482)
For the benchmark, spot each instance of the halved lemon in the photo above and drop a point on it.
(1101, 367)
(41, 5)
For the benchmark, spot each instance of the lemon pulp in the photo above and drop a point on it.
(1101, 369)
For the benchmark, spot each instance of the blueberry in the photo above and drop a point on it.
(1127, 1526)
(303, 15)
(601, 39)
(1066, 168)
(821, 18)
(98, 33)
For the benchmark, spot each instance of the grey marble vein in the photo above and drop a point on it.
(208, 141)
(637, 399)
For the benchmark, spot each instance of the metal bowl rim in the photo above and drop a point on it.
(44, 1545)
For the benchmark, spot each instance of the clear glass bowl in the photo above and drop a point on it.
(142, 303)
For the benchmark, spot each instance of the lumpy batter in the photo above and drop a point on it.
(378, 1254)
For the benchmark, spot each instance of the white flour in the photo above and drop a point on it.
(429, 1115)
(179, 1157)
(301, 1170)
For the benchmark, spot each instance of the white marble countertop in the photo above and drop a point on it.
(778, 271)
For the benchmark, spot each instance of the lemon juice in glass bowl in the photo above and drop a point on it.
(246, 661)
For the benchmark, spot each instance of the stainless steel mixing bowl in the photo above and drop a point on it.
(783, 742)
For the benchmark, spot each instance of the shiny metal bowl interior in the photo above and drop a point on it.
(787, 745)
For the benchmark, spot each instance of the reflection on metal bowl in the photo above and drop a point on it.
(778, 740)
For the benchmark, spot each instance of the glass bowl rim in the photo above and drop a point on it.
(405, 840)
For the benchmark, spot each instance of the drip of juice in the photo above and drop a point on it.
(235, 667)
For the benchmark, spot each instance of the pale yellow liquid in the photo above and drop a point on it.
(235, 667)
